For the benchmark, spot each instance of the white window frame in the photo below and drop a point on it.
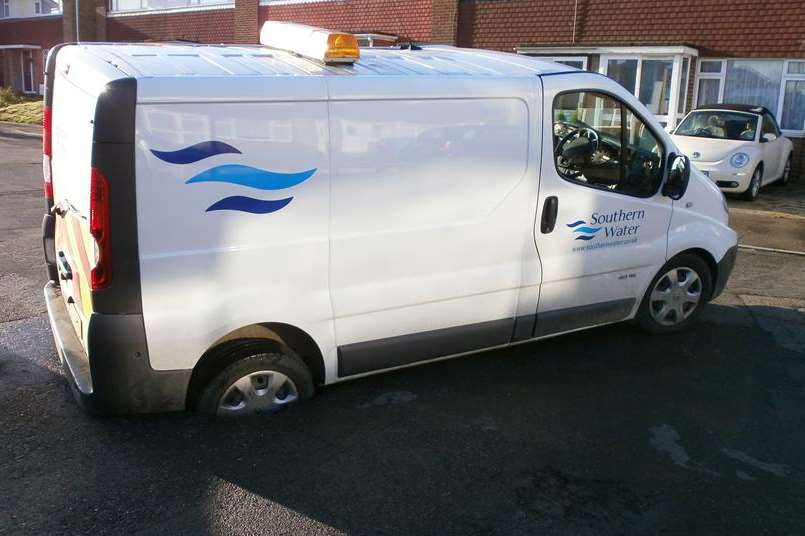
(721, 76)
(191, 5)
(26, 56)
(6, 14)
(780, 101)
(288, 2)
(680, 115)
(582, 59)
(673, 116)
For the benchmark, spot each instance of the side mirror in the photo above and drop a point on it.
(769, 137)
(678, 176)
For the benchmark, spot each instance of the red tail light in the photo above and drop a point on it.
(101, 274)
(47, 151)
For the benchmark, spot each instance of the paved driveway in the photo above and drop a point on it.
(608, 431)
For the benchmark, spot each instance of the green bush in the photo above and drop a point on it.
(8, 96)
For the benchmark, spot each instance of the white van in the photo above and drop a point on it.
(231, 226)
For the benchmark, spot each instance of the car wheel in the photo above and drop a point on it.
(676, 295)
(263, 377)
(786, 173)
(754, 185)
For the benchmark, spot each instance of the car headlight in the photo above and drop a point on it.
(739, 160)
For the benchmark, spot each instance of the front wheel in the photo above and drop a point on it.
(676, 295)
(786, 173)
(754, 186)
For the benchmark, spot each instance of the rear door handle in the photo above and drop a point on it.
(58, 209)
(549, 211)
(63, 267)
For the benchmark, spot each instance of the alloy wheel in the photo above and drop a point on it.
(675, 296)
(263, 391)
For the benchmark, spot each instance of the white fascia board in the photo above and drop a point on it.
(640, 50)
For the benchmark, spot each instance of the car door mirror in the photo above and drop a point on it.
(769, 137)
(678, 176)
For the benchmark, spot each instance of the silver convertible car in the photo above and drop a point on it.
(740, 147)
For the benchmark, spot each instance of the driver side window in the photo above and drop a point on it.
(599, 142)
(769, 126)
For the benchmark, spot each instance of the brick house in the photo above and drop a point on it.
(673, 54)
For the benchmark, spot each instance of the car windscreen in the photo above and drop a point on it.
(721, 125)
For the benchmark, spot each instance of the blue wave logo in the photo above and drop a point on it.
(587, 233)
(252, 177)
(236, 174)
(196, 152)
(249, 204)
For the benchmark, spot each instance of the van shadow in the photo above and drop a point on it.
(475, 445)
(547, 436)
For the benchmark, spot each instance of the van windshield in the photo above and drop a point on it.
(722, 125)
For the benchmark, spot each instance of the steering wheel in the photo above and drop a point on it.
(584, 132)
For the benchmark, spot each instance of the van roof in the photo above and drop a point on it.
(148, 60)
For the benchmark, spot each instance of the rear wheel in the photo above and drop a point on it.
(263, 377)
(676, 295)
(754, 185)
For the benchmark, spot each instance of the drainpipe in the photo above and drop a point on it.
(77, 38)
(575, 12)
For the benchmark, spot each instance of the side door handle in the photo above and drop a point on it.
(549, 211)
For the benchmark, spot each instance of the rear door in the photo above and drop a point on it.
(73, 115)
(602, 166)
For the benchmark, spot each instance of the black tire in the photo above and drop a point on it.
(247, 356)
(751, 193)
(646, 320)
(786, 178)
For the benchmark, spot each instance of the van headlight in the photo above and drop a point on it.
(739, 160)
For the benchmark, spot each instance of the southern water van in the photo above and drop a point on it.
(230, 227)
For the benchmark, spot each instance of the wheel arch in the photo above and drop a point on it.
(285, 335)
(707, 257)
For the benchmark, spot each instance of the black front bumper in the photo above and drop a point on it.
(725, 266)
(115, 377)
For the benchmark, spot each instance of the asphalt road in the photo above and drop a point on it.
(608, 431)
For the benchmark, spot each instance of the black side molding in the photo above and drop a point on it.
(524, 328)
(407, 349)
(392, 352)
(583, 316)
